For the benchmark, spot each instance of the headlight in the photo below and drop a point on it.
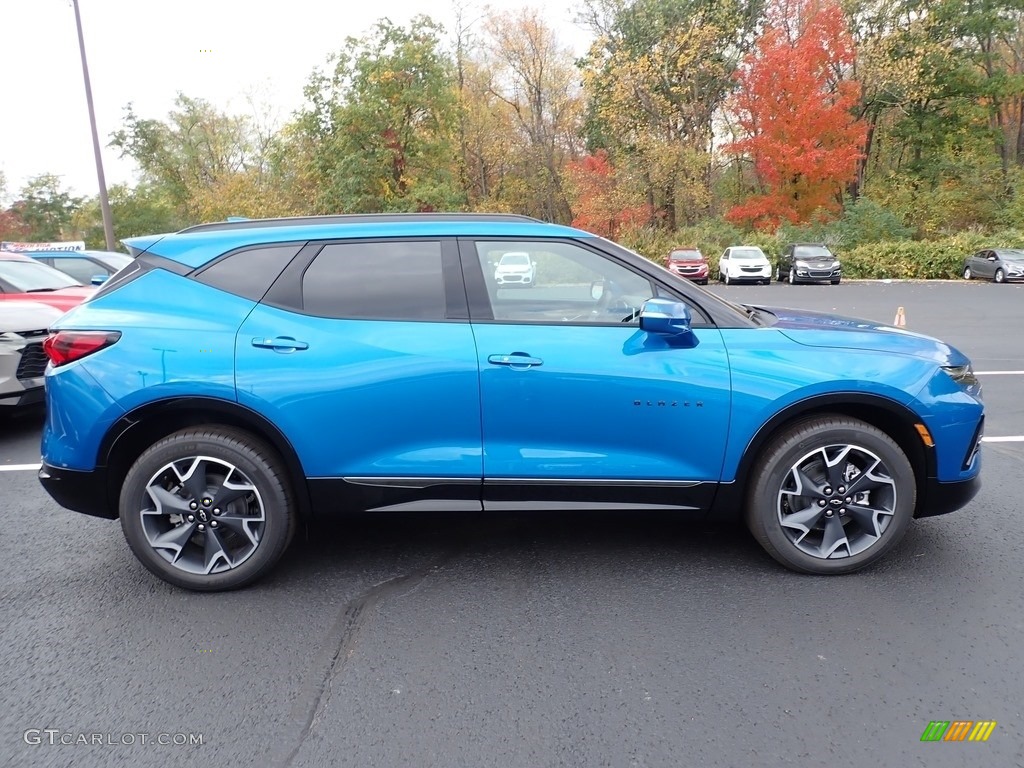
(835, 265)
(964, 376)
(802, 264)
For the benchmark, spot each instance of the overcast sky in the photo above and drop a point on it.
(145, 51)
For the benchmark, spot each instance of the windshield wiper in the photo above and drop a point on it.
(41, 290)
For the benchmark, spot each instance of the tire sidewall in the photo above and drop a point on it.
(762, 510)
(269, 482)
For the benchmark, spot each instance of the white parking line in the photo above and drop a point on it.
(999, 373)
(1008, 439)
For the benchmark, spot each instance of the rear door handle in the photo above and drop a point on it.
(515, 360)
(279, 344)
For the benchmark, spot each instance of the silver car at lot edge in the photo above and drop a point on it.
(23, 327)
(1000, 265)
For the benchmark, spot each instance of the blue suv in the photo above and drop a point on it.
(239, 377)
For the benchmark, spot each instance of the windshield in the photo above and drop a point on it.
(28, 276)
(514, 260)
(812, 252)
(686, 254)
(747, 253)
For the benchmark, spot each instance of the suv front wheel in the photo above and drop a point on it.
(831, 495)
(207, 508)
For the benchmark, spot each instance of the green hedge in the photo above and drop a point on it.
(893, 260)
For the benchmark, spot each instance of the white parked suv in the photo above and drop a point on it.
(744, 263)
(515, 268)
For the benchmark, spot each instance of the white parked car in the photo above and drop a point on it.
(515, 268)
(23, 328)
(744, 263)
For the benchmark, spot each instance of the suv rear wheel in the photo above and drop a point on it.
(207, 509)
(831, 495)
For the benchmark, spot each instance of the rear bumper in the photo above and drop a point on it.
(942, 498)
(78, 490)
(24, 397)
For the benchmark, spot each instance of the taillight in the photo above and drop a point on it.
(65, 347)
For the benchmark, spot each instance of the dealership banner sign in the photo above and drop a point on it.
(67, 245)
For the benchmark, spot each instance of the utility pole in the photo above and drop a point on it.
(108, 223)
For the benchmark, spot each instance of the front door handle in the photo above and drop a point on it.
(279, 344)
(515, 360)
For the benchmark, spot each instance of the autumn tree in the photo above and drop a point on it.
(657, 74)
(794, 107)
(599, 204)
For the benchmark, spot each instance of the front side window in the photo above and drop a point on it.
(80, 269)
(396, 280)
(559, 282)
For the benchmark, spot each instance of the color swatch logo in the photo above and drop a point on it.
(958, 730)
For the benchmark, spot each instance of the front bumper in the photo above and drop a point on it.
(942, 498)
(82, 491)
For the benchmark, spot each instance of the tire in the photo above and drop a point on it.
(253, 529)
(967, 273)
(778, 273)
(704, 282)
(999, 276)
(792, 276)
(728, 280)
(812, 542)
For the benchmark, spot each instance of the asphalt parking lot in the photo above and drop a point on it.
(526, 641)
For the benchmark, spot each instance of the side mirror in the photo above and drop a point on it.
(991, 258)
(99, 279)
(665, 317)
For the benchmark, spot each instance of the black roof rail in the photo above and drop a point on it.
(355, 218)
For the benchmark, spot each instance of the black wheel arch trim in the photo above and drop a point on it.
(120, 437)
(729, 499)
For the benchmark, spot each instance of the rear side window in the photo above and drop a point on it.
(396, 280)
(248, 273)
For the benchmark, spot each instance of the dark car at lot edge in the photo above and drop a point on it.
(1000, 265)
(688, 262)
(808, 263)
(240, 376)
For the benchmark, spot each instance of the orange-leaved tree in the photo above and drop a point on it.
(794, 105)
(598, 202)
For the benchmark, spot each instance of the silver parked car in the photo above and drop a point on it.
(23, 327)
(999, 265)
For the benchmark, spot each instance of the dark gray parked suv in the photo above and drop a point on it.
(808, 263)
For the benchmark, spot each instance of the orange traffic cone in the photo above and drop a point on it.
(901, 318)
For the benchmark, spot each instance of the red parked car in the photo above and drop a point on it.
(688, 262)
(25, 279)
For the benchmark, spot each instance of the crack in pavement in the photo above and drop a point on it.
(346, 629)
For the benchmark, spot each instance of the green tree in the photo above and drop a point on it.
(142, 210)
(46, 208)
(379, 132)
(206, 162)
